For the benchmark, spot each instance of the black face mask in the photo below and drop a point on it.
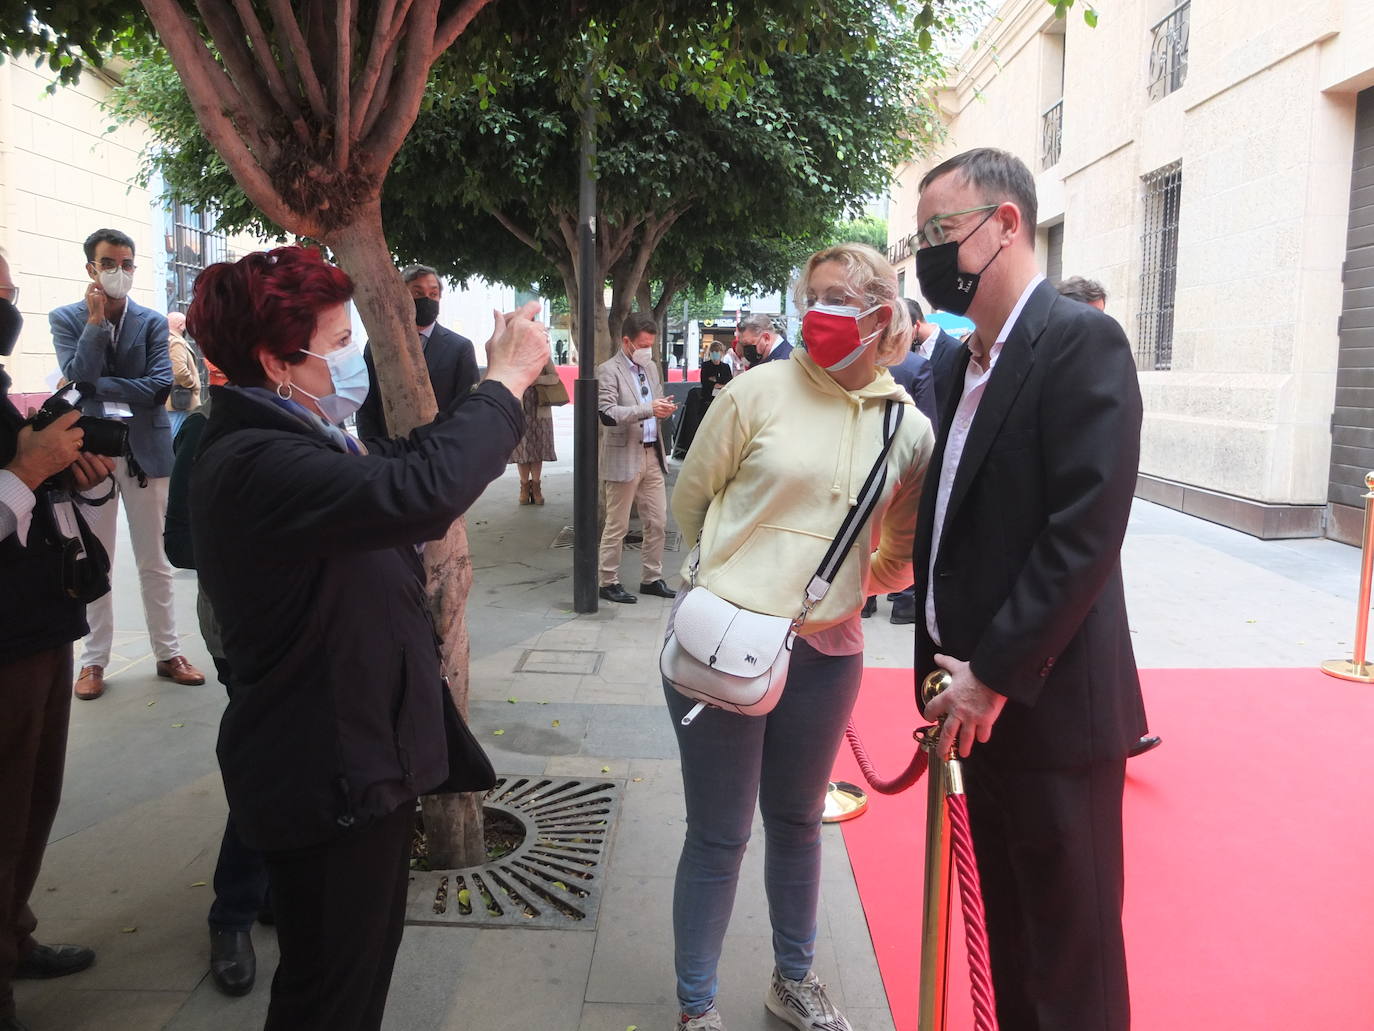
(751, 354)
(11, 322)
(937, 270)
(426, 311)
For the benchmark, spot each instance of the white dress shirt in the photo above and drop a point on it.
(16, 507)
(975, 385)
(638, 375)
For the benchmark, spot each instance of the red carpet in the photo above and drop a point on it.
(1249, 846)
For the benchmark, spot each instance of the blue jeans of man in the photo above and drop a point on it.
(782, 760)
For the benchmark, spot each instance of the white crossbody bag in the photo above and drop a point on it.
(732, 658)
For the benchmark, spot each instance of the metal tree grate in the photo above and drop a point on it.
(552, 879)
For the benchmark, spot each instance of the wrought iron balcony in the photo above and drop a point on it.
(1169, 52)
(1051, 134)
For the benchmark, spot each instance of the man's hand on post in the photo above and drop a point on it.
(518, 348)
(968, 706)
(46, 452)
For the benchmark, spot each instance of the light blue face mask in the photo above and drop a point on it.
(348, 374)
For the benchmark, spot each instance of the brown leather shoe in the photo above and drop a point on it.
(91, 683)
(178, 669)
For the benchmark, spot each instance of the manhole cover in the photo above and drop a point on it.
(553, 879)
(559, 660)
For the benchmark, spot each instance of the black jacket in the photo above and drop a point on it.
(308, 557)
(946, 364)
(452, 363)
(1028, 577)
(36, 614)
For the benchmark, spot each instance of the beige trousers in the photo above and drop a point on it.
(649, 491)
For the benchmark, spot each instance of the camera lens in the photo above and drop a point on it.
(106, 437)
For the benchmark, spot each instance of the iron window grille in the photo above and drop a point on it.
(193, 245)
(1162, 190)
(1169, 52)
(1051, 134)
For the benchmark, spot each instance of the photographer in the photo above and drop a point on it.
(39, 620)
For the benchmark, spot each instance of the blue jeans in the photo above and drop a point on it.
(784, 761)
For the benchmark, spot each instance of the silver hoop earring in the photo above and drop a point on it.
(284, 386)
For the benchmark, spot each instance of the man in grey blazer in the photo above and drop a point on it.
(119, 348)
(449, 357)
(630, 403)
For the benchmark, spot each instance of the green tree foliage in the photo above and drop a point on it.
(866, 229)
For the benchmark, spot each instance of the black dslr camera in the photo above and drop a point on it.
(108, 437)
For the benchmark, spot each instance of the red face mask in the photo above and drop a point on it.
(831, 334)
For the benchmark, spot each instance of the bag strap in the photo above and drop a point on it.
(858, 515)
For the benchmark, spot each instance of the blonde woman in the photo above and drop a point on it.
(777, 464)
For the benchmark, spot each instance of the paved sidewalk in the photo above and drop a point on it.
(143, 807)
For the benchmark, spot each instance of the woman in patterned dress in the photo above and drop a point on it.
(536, 446)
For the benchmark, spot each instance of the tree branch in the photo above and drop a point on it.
(523, 235)
(276, 83)
(294, 50)
(212, 96)
(227, 35)
(343, 94)
(387, 76)
(446, 33)
(385, 139)
(385, 32)
(671, 286)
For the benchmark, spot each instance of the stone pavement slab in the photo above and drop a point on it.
(143, 807)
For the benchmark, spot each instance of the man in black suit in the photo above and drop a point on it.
(1018, 566)
(937, 347)
(450, 358)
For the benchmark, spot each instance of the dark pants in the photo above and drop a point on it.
(340, 908)
(35, 705)
(1050, 858)
(240, 872)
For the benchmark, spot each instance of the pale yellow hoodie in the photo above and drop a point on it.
(776, 463)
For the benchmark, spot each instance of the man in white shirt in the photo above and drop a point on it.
(1018, 565)
(630, 403)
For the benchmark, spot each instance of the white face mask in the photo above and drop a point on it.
(643, 355)
(116, 283)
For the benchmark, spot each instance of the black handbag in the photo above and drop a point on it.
(469, 767)
(85, 563)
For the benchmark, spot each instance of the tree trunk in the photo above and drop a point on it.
(453, 822)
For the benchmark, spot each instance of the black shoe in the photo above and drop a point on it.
(904, 613)
(233, 964)
(658, 588)
(12, 1024)
(1145, 744)
(53, 961)
(870, 606)
(614, 592)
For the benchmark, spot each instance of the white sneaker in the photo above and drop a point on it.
(708, 1021)
(804, 1004)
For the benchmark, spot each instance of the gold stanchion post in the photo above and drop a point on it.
(931, 1013)
(1357, 668)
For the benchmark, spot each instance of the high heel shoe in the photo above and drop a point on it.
(536, 495)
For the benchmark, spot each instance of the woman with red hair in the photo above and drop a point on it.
(306, 545)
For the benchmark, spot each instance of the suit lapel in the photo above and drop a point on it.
(1008, 375)
(128, 329)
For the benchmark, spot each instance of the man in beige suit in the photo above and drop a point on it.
(630, 402)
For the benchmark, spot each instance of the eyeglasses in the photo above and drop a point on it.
(109, 264)
(932, 234)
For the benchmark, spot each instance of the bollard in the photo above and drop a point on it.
(931, 1011)
(1357, 668)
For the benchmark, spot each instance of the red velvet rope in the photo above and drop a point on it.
(975, 926)
(914, 771)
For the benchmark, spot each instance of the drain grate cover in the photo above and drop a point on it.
(552, 879)
(672, 540)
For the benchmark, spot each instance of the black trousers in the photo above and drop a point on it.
(340, 908)
(1050, 857)
(35, 703)
(240, 872)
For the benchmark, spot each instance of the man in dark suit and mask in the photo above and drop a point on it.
(1018, 572)
(450, 358)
